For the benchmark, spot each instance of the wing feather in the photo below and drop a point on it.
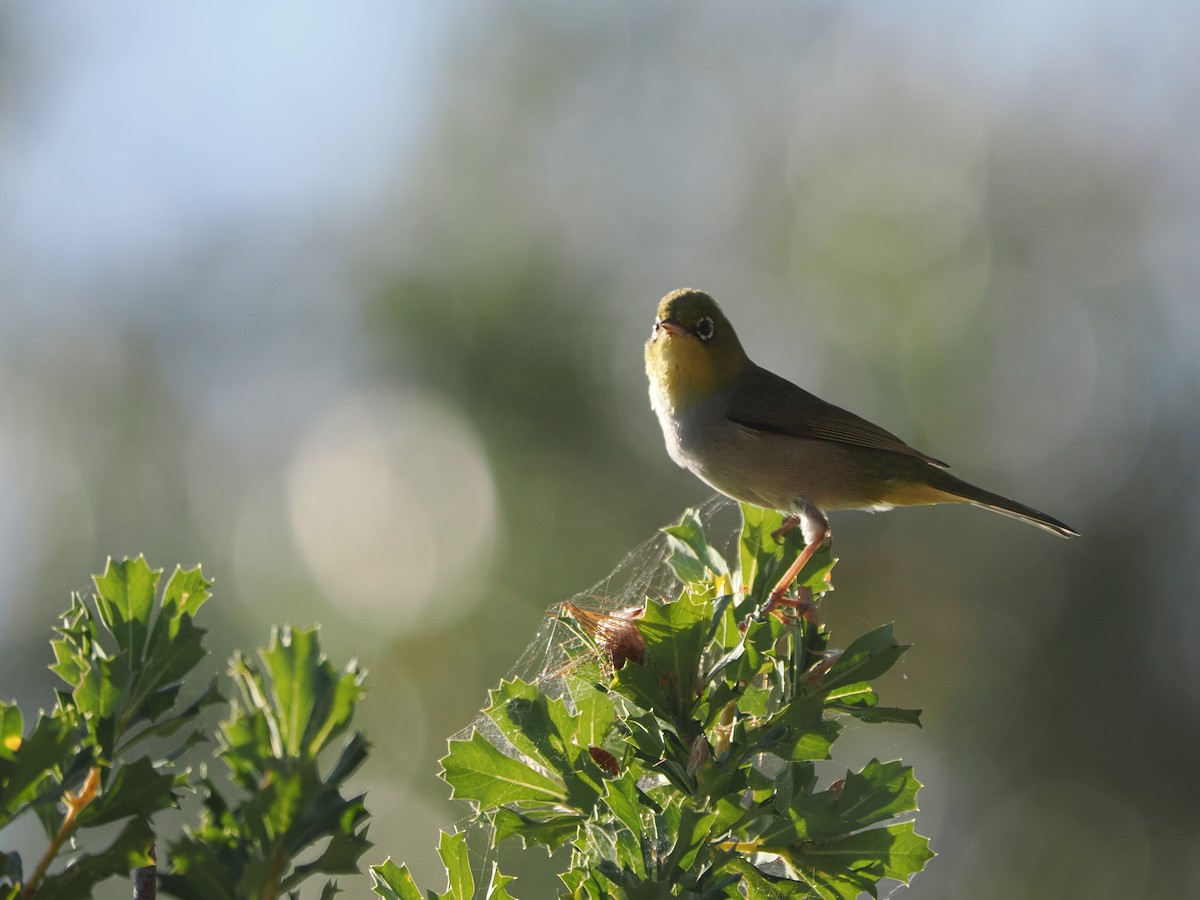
(766, 402)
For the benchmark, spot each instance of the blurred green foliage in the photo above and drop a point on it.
(125, 659)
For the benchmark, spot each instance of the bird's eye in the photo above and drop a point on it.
(654, 331)
(704, 329)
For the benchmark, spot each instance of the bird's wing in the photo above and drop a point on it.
(766, 402)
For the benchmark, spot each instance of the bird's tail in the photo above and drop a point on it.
(963, 492)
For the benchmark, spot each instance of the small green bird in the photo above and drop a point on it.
(760, 439)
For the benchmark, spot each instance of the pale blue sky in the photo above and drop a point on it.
(131, 124)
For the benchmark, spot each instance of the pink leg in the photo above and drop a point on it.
(781, 587)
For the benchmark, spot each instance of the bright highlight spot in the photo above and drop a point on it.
(392, 502)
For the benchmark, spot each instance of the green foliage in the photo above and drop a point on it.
(396, 883)
(677, 755)
(688, 768)
(124, 659)
(293, 706)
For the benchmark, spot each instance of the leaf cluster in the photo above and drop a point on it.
(293, 706)
(123, 659)
(689, 769)
(111, 753)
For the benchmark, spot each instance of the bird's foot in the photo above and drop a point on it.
(798, 607)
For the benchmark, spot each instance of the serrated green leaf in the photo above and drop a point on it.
(762, 639)
(896, 851)
(537, 725)
(125, 597)
(751, 688)
(476, 770)
(757, 548)
(800, 744)
(641, 683)
(498, 885)
(69, 663)
(137, 789)
(594, 711)
(542, 729)
(394, 882)
(859, 693)
(692, 557)
(201, 870)
(879, 714)
(313, 703)
(755, 701)
(727, 635)
(26, 777)
(646, 737)
(660, 749)
(764, 560)
(210, 696)
(172, 653)
(289, 807)
(809, 817)
(12, 731)
(341, 820)
(452, 848)
(279, 805)
(796, 733)
(817, 574)
(352, 755)
(103, 685)
(293, 661)
(186, 591)
(613, 852)
(621, 795)
(689, 832)
(759, 886)
(841, 885)
(880, 791)
(675, 634)
(174, 645)
(127, 851)
(549, 827)
(865, 659)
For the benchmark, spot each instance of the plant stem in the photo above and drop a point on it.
(277, 863)
(75, 805)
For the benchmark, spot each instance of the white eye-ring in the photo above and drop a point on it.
(704, 329)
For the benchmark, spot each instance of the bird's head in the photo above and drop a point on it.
(693, 351)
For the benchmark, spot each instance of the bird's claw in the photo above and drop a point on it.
(799, 607)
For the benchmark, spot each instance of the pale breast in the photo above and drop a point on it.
(773, 470)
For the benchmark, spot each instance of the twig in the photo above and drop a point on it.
(75, 805)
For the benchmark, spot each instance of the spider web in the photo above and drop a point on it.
(643, 573)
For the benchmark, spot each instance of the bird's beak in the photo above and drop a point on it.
(672, 326)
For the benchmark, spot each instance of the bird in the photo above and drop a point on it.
(760, 439)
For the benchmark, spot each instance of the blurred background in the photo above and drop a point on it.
(346, 302)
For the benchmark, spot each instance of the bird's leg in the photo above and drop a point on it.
(789, 522)
(816, 532)
(781, 587)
